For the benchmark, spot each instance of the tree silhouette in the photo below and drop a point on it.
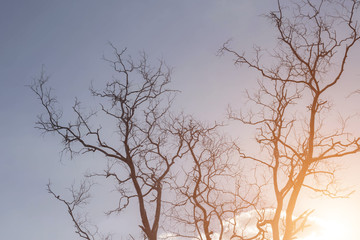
(136, 104)
(209, 188)
(314, 42)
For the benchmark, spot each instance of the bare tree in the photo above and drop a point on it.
(314, 42)
(134, 106)
(209, 188)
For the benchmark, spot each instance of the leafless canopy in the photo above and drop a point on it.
(140, 141)
(208, 185)
(139, 150)
(314, 42)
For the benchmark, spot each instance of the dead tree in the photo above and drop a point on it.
(139, 150)
(314, 41)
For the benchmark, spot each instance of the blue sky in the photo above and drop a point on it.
(69, 38)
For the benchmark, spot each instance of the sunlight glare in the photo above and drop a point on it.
(330, 229)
